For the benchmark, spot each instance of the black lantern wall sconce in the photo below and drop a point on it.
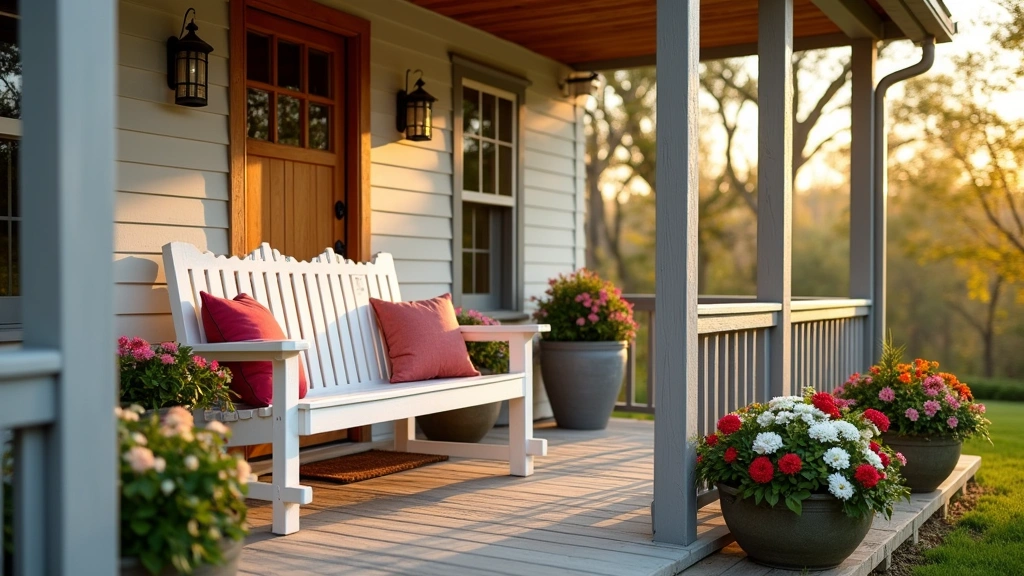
(414, 110)
(188, 72)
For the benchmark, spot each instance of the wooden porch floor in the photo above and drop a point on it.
(584, 511)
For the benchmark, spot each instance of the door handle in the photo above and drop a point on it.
(339, 248)
(340, 210)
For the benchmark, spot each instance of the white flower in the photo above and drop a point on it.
(803, 409)
(808, 419)
(766, 419)
(823, 432)
(191, 462)
(167, 486)
(193, 528)
(139, 438)
(840, 487)
(869, 432)
(873, 459)
(847, 431)
(214, 533)
(767, 443)
(784, 417)
(217, 428)
(159, 464)
(837, 458)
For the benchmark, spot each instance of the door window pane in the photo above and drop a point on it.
(471, 164)
(504, 120)
(504, 170)
(319, 126)
(488, 116)
(470, 111)
(257, 58)
(289, 124)
(482, 271)
(258, 115)
(467, 273)
(289, 65)
(319, 73)
(10, 65)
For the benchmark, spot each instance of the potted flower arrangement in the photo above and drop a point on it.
(583, 357)
(932, 413)
(182, 495)
(170, 375)
(800, 479)
(472, 423)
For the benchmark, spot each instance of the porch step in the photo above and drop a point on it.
(876, 550)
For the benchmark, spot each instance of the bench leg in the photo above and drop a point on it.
(520, 431)
(405, 430)
(286, 447)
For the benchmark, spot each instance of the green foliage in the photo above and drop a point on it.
(169, 375)
(794, 426)
(581, 307)
(917, 399)
(490, 356)
(182, 494)
(997, 389)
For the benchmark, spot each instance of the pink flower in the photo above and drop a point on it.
(214, 366)
(840, 390)
(593, 318)
(167, 359)
(579, 297)
(869, 380)
(952, 422)
(140, 459)
(887, 394)
(901, 458)
(853, 378)
(170, 347)
(979, 408)
(199, 361)
(911, 414)
(952, 402)
(144, 353)
(595, 308)
(581, 321)
(931, 407)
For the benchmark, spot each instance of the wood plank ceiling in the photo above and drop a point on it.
(577, 32)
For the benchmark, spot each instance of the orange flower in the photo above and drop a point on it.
(875, 370)
(905, 378)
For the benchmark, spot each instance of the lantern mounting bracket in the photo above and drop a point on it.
(172, 46)
(400, 122)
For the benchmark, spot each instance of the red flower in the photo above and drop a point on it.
(699, 459)
(884, 458)
(826, 403)
(711, 439)
(877, 418)
(730, 455)
(729, 423)
(761, 470)
(875, 447)
(867, 476)
(790, 464)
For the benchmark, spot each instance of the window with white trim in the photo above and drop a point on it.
(10, 135)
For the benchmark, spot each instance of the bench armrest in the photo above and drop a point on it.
(248, 351)
(502, 332)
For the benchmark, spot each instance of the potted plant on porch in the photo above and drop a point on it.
(800, 479)
(583, 357)
(472, 423)
(182, 495)
(931, 412)
(166, 375)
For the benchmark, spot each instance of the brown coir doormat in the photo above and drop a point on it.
(365, 465)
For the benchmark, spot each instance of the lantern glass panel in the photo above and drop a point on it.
(289, 124)
(289, 65)
(257, 58)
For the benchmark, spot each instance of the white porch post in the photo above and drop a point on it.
(67, 171)
(775, 179)
(675, 496)
(862, 198)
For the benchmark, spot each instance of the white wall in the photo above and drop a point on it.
(173, 170)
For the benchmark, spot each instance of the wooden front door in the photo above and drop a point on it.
(295, 192)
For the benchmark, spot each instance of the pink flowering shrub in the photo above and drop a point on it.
(490, 356)
(182, 494)
(169, 375)
(581, 307)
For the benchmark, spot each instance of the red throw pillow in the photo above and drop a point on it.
(243, 320)
(423, 339)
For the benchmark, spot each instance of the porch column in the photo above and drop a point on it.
(67, 194)
(675, 497)
(775, 179)
(863, 281)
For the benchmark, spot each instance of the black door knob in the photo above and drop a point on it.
(340, 210)
(339, 248)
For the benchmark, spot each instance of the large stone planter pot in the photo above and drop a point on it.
(930, 460)
(819, 538)
(583, 380)
(231, 550)
(468, 424)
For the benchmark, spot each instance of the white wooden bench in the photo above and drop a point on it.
(323, 307)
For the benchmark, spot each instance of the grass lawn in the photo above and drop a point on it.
(990, 538)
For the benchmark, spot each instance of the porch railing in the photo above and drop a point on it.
(827, 345)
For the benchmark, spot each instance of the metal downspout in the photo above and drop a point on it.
(881, 188)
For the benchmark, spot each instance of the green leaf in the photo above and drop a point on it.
(140, 527)
(795, 505)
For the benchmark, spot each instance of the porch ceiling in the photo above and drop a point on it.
(602, 34)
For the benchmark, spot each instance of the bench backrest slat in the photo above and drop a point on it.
(324, 301)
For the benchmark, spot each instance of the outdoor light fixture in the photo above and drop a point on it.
(413, 115)
(580, 84)
(187, 59)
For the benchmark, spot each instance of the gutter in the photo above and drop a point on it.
(881, 188)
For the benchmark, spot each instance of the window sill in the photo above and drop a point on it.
(511, 316)
(10, 334)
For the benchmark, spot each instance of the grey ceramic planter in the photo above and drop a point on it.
(231, 550)
(821, 537)
(468, 424)
(583, 380)
(930, 460)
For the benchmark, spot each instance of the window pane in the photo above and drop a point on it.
(15, 258)
(467, 273)
(289, 65)
(5, 258)
(504, 120)
(257, 58)
(470, 111)
(289, 127)
(319, 126)
(258, 115)
(482, 273)
(468, 214)
(505, 170)
(6, 173)
(482, 233)
(488, 115)
(319, 73)
(10, 67)
(489, 166)
(471, 164)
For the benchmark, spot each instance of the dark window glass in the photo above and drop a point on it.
(289, 125)
(9, 217)
(319, 73)
(289, 65)
(504, 120)
(471, 164)
(258, 115)
(504, 170)
(10, 65)
(467, 273)
(319, 126)
(482, 271)
(470, 111)
(489, 166)
(482, 232)
(488, 115)
(257, 58)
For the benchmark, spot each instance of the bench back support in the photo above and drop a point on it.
(324, 301)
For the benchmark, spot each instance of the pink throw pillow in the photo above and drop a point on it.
(244, 320)
(423, 339)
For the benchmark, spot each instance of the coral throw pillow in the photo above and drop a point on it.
(244, 320)
(423, 339)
